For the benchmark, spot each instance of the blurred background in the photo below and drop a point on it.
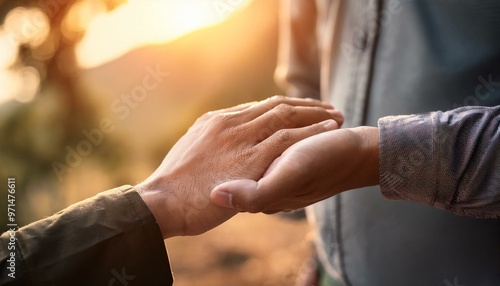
(93, 94)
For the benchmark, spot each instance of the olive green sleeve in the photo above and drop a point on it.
(109, 239)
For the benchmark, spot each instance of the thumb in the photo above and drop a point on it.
(238, 194)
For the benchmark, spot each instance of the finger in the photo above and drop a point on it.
(272, 148)
(236, 108)
(337, 116)
(277, 143)
(273, 192)
(252, 196)
(286, 116)
(244, 190)
(243, 195)
(270, 103)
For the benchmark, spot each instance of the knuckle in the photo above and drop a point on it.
(319, 109)
(277, 98)
(285, 110)
(223, 125)
(219, 117)
(283, 136)
(223, 120)
(319, 112)
(264, 133)
(244, 156)
(231, 134)
(318, 127)
(206, 117)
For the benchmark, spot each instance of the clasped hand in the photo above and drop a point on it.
(311, 170)
(233, 144)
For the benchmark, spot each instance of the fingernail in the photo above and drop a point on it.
(330, 124)
(223, 199)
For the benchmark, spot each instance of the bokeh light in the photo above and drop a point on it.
(22, 27)
(28, 26)
(8, 50)
(29, 83)
(189, 16)
(8, 82)
(21, 85)
(78, 18)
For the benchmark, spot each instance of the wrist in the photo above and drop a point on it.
(163, 207)
(369, 150)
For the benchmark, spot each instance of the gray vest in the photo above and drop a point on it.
(404, 57)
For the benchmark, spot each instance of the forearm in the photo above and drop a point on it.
(90, 243)
(298, 69)
(445, 159)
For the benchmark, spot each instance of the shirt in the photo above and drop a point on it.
(375, 60)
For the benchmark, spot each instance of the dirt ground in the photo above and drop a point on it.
(250, 249)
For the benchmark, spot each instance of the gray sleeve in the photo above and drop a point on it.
(449, 160)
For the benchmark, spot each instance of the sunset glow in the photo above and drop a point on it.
(140, 22)
(108, 35)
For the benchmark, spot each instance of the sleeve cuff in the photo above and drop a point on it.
(407, 158)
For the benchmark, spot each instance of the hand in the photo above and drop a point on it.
(231, 144)
(309, 171)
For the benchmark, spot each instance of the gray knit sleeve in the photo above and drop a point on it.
(450, 160)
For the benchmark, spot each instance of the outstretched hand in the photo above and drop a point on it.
(309, 171)
(230, 144)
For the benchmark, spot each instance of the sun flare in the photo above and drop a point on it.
(107, 35)
(139, 22)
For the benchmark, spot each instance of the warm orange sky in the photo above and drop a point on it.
(109, 35)
(148, 21)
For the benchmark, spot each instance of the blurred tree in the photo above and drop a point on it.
(49, 112)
